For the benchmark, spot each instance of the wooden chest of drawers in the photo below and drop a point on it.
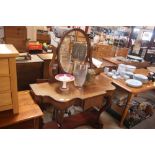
(8, 78)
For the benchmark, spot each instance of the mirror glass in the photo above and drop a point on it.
(73, 47)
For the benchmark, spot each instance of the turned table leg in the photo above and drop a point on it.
(125, 112)
(108, 104)
(59, 117)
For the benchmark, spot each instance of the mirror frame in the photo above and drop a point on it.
(88, 56)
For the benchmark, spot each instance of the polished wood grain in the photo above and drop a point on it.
(8, 90)
(13, 82)
(4, 67)
(28, 111)
(88, 117)
(47, 56)
(8, 50)
(47, 59)
(4, 84)
(16, 35)
(106, 63)
(28, 71)
(121, 83)
(91, 95)
(44, 38)
(98, 87)
(5, 99)
(114, 60)
(151, 69)
(123, 52)
(132, 91)
(101, 50)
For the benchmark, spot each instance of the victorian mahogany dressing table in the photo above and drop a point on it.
(72, 48)
(91, 95)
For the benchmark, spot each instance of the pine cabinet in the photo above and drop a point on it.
(8, 78)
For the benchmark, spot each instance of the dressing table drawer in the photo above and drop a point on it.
(4, 67)
(5, 99)
(4, 84)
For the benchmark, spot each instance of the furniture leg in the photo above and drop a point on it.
(54, 115)
(36, 123)
(59, 117)
(128, 104)
(106, 106)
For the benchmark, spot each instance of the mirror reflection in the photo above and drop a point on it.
(73, 47)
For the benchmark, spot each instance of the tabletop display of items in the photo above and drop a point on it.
(73, 58)
(126, 72)
(80, 72)
(79, 76)
(135, 58)
(35, 46)
(64, 78)
(23, 56)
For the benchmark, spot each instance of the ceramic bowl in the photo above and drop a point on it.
(110, 74)
(130, 68)
(133, 83)
(140, 77)
(130, 74)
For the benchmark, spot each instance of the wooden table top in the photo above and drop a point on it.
(47, 56)
(115, 61)
(34, 59)
(98, 86)
(121, 83)
(151, 69)
(105, 63)
(8, 50)
(28, 109)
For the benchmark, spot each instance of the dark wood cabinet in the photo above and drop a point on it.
(43, 36)
(28, 71)
(16, 35)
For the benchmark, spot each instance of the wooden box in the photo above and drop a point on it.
(8, 78)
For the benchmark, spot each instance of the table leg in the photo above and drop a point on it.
(128, 104)
(36, 123)
(60, 117)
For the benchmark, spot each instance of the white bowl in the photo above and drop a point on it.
(133, 83)
(130, 74)
(110, 74)
(130, 68)
(140, 77)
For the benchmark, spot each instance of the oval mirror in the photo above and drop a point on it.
(74, 46)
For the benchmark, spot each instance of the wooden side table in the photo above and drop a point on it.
(28, 117)
(131, 90)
